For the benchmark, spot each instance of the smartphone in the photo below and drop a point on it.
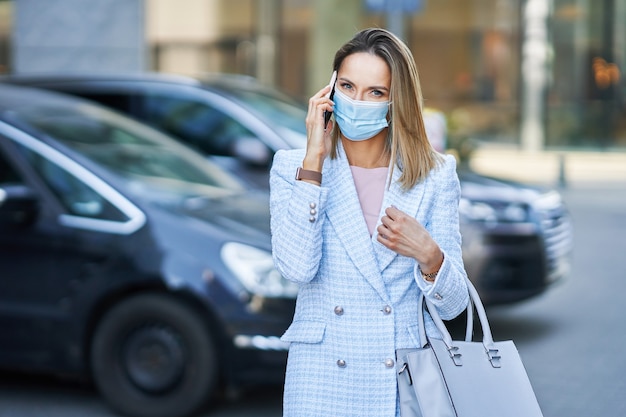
(333, 80)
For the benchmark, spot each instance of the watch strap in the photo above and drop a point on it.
(305, 174)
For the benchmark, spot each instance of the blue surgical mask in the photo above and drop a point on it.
(360, 120)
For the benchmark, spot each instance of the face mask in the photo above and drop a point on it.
(360, 120)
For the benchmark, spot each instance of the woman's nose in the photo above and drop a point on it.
(358, 95)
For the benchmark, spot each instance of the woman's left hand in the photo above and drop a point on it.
(404, 235)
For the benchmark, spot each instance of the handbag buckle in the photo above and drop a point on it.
(405, 367)
(494, 358)
(455, 355)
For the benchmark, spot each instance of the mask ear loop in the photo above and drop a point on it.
(390, 110)
(389, 118)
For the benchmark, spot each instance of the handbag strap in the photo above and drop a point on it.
(469, 328)
(474, 299)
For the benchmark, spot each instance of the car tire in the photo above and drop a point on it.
(153, 356)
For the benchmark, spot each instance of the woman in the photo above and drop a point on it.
(364, 219)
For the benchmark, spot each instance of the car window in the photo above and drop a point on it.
(119, 149)
(8, 174)
(151, 161)
(122, 102)
(284, 115)
(77, 198)
(198, 124)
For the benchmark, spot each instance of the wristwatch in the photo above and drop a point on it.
(305, 174)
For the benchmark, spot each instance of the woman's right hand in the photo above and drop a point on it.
(318, 139)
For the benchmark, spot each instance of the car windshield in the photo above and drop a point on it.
(148, 160)
(285, 115)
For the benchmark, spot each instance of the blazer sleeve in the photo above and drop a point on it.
(449, 292)
(297, 218)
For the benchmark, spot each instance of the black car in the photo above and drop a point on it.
(127, 258)
(516, 239)
(233, 119)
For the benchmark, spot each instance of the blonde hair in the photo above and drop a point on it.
(407, 142)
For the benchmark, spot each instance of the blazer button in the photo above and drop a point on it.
(339, 310)
(389, 363)
(312, 205)
(312, 219)
(386, 310)
(341, 363)
(438, 296)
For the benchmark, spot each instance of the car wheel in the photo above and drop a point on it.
(152, 356)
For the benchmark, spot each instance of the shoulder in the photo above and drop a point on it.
(445, 169)
(443, 178)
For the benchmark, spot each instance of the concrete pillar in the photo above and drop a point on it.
(335, 22)
(78, 36)
(5, 34)
(268, 22)
(536, 69)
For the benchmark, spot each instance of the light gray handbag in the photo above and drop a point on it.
(449, 378)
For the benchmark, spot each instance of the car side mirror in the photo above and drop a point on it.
(251, 151)
(19, 206)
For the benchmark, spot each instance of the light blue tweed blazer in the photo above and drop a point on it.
(357, 302)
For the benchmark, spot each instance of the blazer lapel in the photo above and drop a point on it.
(406, 201)
(345, 215)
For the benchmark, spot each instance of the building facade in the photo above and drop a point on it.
(533, 74)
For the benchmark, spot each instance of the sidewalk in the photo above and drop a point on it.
(554, 168)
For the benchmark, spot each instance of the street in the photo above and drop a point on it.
(570, 339)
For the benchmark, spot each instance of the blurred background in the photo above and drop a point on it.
(524, 90)
(534, 75)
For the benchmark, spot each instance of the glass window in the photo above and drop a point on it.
(284, 115)
(199, 125)
(144, 160)
(586, 107)
(114, 147)
(76, 197)
(468, 55)
(8, 174)
(122, 102)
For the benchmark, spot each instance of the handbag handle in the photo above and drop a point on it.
(474, 298)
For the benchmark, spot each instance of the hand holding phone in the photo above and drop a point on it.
(330, 95)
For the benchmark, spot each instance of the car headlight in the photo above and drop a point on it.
(497, 212)
(548, 201)
(254, 268)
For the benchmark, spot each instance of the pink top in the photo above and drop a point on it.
(370, 186)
